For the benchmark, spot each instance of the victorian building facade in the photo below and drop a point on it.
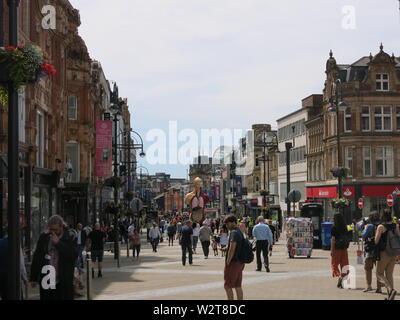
(369, 129)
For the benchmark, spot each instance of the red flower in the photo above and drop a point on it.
(49, 69)
(10, 48)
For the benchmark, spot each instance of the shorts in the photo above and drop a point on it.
(97, 255)
(233, 275)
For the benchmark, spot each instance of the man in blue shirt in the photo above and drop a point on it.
(263, 235)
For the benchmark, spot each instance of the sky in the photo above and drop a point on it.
(226, 64)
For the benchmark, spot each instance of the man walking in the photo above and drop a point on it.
(154, 235)
(187, 241)
(205, 239)
(263, 235)
(95, 244)
(55, 248)
(233, 272)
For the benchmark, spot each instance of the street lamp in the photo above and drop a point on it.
(335, 108)
(116, 111)
(14, 276)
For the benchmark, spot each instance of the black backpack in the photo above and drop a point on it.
(342, 242)
(246, 254)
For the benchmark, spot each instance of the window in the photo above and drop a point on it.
(382, 82)
(347, 120)
(384, 161)
(365, 119)
(349, 159)
(383, 118)
(72, 161)
(397, 118)
(367, 161)
(72, 108)
(21, 114)
(40, 140)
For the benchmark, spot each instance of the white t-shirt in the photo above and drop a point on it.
(223, 239)
(196, 231)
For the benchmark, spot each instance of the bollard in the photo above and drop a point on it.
(88, 277)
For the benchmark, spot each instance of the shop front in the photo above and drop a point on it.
(375, 198)
(325, 194)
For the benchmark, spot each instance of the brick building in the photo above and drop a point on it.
(370, 133)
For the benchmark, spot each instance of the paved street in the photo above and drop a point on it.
(161, 276)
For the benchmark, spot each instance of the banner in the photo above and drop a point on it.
(104, 137)
(217, 192)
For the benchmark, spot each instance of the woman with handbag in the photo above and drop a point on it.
(339, 246)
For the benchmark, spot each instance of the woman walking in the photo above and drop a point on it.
(385, 261)
(136, 244)
(224, 239)
(339, 245)
(196, 232)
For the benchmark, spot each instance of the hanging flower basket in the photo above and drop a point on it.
(340, 172)
(22, 65)
(114, 182)
(128, 196)
(340, 203)
(112, 209)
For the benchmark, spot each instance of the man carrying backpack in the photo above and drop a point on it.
(368, 235)
(233, 272)
(387, 239)
(264, 240)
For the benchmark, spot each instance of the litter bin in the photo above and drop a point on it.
(326, 235)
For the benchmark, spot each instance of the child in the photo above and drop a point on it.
(214, 245)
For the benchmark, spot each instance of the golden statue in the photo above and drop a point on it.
(196, 200)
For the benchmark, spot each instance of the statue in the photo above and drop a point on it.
(197, 201)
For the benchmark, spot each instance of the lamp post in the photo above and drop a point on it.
(14, 276)
(337, 105)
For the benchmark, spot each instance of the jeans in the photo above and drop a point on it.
(195, 240)
(187, 247)
(171, 239)
(80, 257)
(154, 243)
(262, 245)
(136, 248)
(206, 247)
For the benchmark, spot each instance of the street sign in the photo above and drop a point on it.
(389, 200)
(360, 203)
(294, 196)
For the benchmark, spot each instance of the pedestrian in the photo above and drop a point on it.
(368, 235)
(214, 245)
(187, 242)
(78, 270)
(263, 235)
(223, 239)
(4, 272)
(95, 244)
(171, 231)
(273, 230)
(81, 237)
(386, 260)
(251, 226)
(233, 272)
(178, 230)
(196, 232)
(217, 223)
(154, 235)
(212, 225)
(339, 246)
(136, 244)
(57, 249)
(205, 239)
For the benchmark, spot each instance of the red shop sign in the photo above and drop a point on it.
(330, 192)
(379, 191)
